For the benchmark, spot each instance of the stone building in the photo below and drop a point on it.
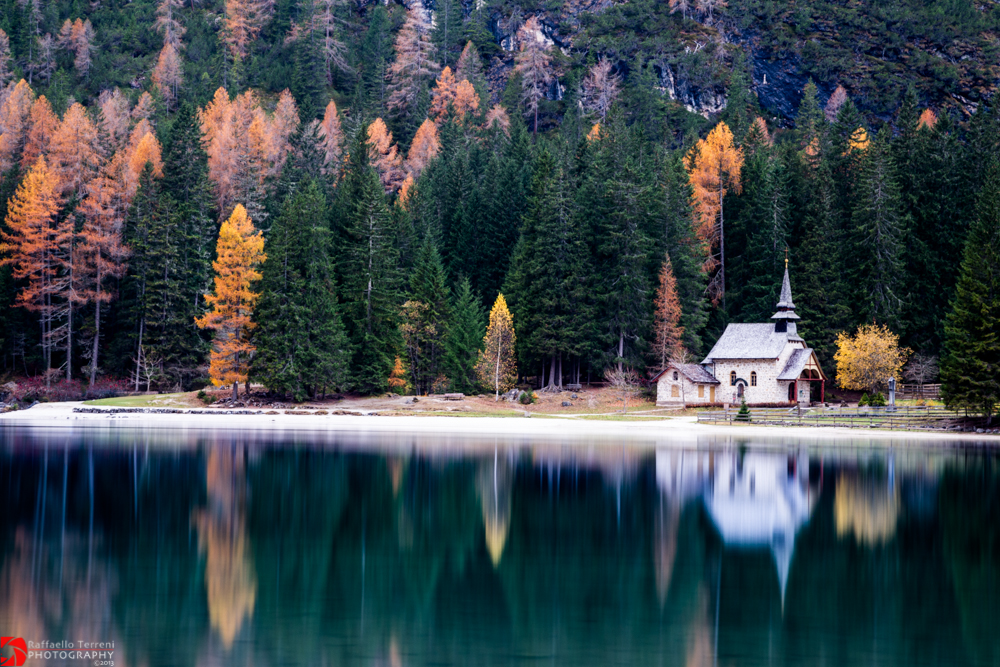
(766, 364)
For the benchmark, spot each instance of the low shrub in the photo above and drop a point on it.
(878, 400)
(525, 398)
(744, 414)
(864, 401)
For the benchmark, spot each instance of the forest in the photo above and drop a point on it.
(324, 196)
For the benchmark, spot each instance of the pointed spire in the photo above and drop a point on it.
(785, 302)
(786, 308)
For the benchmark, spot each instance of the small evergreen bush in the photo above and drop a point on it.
(744, 414)
(864, 400)
(878, 400)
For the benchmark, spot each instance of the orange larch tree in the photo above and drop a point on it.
(667, 331)
(384, 155)
(78, 36)
(497, 117)
(443, 94)
(42, 124)
(168, 74)
(30, 245)
(74, 150)
(414, 62)
(424, 148)
(240, 251)
(243, 22)
(466, 99)
(101, 251)
(714, 166)
(14, 117)
(116, 119)
(332, 140)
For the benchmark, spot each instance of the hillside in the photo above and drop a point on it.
(630, 175)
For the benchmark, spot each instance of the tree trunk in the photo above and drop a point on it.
(138, 355)
(722, 247)
(621, 349)
(97, 338)
(69, 342)
(496, 377)
(552, 372)
(236, 389)
(560, 376)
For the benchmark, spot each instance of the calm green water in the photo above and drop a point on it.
(200, 548)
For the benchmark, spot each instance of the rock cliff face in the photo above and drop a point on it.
(833, 44)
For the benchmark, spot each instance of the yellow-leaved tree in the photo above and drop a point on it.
(240, 251)
(714, 165)
(866, 360)
(497, 364)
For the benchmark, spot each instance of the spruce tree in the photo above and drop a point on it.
(877, 236)
(302, 348)
(369, 271)
(548, 281)
(465, 339)
(970, 372)
(427, 321)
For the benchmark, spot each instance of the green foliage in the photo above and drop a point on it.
(744, 412)
(970, 371)
(864, 400)
(465, 338)
(302, 348)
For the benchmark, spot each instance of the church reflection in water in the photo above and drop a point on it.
(235, 552)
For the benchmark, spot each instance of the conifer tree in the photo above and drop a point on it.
(414, 65)
(427, 318)
(534, 64)
(877, 230)
(547, 282)
(369, 271)
(302, 348)
(30, 243)
(240, 251)
(667, 332)
(465, 338)
(970, 371)
(497, 363)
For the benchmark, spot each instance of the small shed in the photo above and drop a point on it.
(684, 384)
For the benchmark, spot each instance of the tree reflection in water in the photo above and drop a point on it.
(241, 551)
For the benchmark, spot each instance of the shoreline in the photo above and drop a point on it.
(682, 431)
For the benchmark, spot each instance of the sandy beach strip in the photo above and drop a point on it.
(60, 418)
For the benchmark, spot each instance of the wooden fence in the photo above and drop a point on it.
(905, 418)
(932, 391)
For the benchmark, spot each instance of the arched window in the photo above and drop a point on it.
(732, 378)
(675, 376)
(753, 378)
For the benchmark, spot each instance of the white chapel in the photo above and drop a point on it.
(764, 364)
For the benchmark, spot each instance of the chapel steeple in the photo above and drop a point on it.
(784, 319)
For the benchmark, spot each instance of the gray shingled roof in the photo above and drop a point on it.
(748, 341)
(796, 362)
(693, 372)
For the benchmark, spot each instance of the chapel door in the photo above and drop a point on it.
(791, 391)
(739, 390)
(711, 393)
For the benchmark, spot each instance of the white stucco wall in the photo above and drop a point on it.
(768, 389)
(687, 391)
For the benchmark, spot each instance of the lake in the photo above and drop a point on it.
(202, 547)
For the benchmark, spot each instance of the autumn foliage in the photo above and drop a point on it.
(497, 365)
(240, 251)
(714, 167)
(866, 360)
(667, 331)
